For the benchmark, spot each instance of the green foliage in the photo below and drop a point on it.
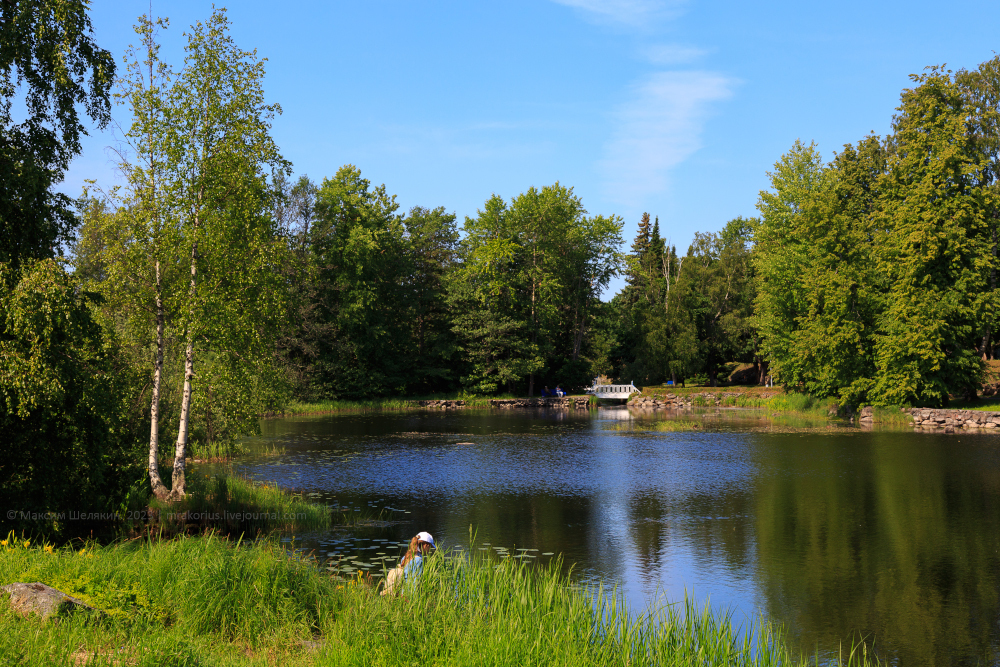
(185, 254)
(46, 51)
(524, 294)
(819, 290)
(873, 269)
(236, 506)
(687, 315)
(935, 256)
(67, 444)
(361, 270)
(432, 240)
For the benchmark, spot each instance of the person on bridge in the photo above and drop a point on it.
(412, 564)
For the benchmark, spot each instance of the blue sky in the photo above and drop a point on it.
(676, 108)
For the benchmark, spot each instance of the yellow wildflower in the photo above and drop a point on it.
(27, 543)
(47, 548)
(82, 551)
(3, 543)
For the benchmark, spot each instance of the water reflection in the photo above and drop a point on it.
(894, 536)
(837, 533)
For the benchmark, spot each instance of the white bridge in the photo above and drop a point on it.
(614, 392)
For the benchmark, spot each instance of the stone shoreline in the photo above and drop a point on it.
(949, 420)
(674, 401)
(566, 403)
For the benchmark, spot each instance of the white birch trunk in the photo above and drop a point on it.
(159, 490)
(180, 450)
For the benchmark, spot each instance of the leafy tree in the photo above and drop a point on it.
(63, 399)
(487, 295)
(525, 292)
(432, 243)
(935, 256)
(191, 255)
(981, 91)
(820, 293)
(781, 253)
(715, 293)
(47, 50)
(294, 212)
(357, 239)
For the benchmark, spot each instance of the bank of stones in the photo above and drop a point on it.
(949, 420)
(675, 401)
(441, 404)
(566, 403)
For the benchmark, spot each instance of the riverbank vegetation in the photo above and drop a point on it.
(206, 600)
(295, 407)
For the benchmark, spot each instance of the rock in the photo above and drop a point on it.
(37, 598)
(310, 646)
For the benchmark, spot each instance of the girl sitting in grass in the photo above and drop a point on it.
(412, 564)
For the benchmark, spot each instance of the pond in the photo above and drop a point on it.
(836, 532)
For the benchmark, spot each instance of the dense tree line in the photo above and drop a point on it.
(876, 273)
(211, 287)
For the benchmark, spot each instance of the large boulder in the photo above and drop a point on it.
(37, 598)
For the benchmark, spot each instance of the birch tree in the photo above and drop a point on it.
(192, 254)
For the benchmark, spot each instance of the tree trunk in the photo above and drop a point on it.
(180, 451)
(159, 490)
(987, 342)
(578, 338)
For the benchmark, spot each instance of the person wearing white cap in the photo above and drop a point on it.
(412, 564)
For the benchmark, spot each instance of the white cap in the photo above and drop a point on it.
(426, 537)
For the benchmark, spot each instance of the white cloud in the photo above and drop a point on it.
(658, 129)
(632, 12)
(672, 54)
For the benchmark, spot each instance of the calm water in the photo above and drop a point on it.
(838, 533)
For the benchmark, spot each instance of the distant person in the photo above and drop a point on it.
(412, 564)
(559, 391)
(545, 391)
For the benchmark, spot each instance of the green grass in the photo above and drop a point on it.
(983, 403)
(775, 399)
(229, 505)
(230, 449)
(210, 601)
(654, 426)
(892, 416)
(236, 505)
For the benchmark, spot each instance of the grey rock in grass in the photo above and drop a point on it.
(37, 598)
(310, 646)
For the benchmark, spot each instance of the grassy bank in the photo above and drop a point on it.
(777, 400)
(381, 404)
(235, 505)
(209, 601)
